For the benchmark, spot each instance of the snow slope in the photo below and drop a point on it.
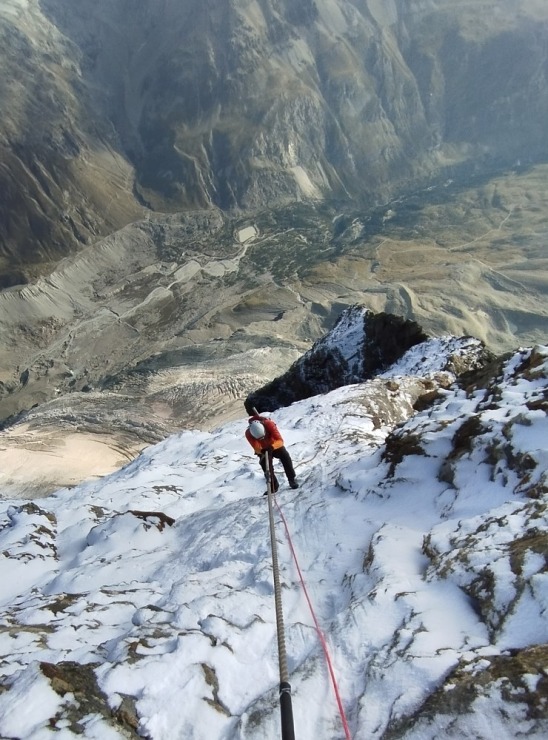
(142, 604)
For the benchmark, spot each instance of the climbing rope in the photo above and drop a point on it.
(321, 636)
(286, 708)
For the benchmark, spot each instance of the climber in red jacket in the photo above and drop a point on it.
(264, 436)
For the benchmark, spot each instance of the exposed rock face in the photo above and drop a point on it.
(505, 678)
(387, 338)
(361, 345)
(79, 681)
(174, 105)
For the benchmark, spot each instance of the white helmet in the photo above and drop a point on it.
(256, 429)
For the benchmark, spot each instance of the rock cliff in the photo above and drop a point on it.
(361, 346)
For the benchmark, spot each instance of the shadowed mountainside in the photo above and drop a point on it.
(171, 105)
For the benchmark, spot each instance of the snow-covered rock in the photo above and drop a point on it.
(362, 345)
(142, 604)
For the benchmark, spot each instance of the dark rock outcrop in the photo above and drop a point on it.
(468, 685)
(78, 683)
(361, 345)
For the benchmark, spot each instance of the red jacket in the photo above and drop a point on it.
(272, 437)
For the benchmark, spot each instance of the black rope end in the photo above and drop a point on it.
(285, 688)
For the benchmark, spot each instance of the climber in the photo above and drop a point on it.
(264, 436)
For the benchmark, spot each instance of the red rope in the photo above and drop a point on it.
(318, 630)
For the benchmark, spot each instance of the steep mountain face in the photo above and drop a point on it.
(63, 179)
(421, 537)
(211, 175)
(173, 105)
(361, 345)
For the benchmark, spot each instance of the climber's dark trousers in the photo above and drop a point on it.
(285, 458)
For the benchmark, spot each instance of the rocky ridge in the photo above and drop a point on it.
(359, 347)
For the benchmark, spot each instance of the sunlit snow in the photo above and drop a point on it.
(179, 615)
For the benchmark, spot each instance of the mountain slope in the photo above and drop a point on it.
(421, 536)
(336, 154)
(170, 106)
(63, 178)
(360, 346)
